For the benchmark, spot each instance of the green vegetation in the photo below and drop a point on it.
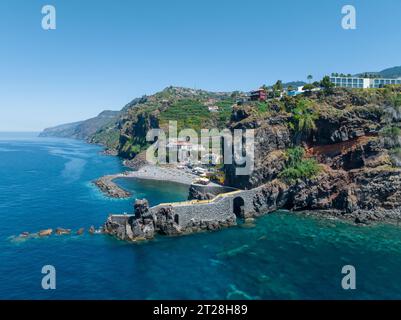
(395, 156)
(309, 87)
(395, 102)
(392, 136)
(262, 107)
(304, 116)
(326, 84)
(277, 89)
(194, 114)
(188, 113)
(391, 132)
(396, 152)
(278, 86)
(108, 137)
(225, 110)
(298, 167)
(134, 146)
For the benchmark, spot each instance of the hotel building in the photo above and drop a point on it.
(364, 83)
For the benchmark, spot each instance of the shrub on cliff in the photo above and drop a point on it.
(391, 136)
(303, 119)
(327, 85)
(297, 167)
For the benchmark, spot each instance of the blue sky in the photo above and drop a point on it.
(105, 53)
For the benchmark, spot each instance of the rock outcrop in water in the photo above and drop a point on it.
(143, 224)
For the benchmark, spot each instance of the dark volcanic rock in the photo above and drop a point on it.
(271, 139)
(196, 194)
(349, 126)
(271, 197)
(107, 186)
(165, 223)
(142, 223)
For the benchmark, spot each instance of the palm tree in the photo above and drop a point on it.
(310, 77)
(304, 117)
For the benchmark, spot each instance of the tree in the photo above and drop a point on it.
(326, 84)
(235, 94)
(290, 88)
(278, 86)
(316, 84)
(308, 88)
(310, 77)
(304, 116)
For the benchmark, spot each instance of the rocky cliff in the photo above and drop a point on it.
(335, 151)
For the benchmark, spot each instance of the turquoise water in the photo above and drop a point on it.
(46, 183)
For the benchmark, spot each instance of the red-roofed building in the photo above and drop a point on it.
(258, 95)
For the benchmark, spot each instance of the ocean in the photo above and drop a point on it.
(46, 183)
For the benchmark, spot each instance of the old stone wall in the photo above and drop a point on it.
(224, 210)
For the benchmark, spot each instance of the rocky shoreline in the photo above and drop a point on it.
(145, 223)
(165, 173)
(148, 172)
(345, 164)
(359, 217)
(111, 189)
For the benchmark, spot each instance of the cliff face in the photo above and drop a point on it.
(352, 142)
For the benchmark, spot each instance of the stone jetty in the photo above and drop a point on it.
(111, 189)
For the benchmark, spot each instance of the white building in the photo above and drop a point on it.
(185, 146)
(363, 83)
(213, 108)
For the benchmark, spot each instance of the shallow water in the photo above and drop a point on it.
(46, 183)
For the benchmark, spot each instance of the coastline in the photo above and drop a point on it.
(169, 173)
(165, 173)
(147, 172)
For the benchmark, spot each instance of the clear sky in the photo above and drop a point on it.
(105, 53)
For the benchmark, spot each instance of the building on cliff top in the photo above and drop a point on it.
(363, 83)
(258, 95)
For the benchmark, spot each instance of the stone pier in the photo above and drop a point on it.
(224, 210)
